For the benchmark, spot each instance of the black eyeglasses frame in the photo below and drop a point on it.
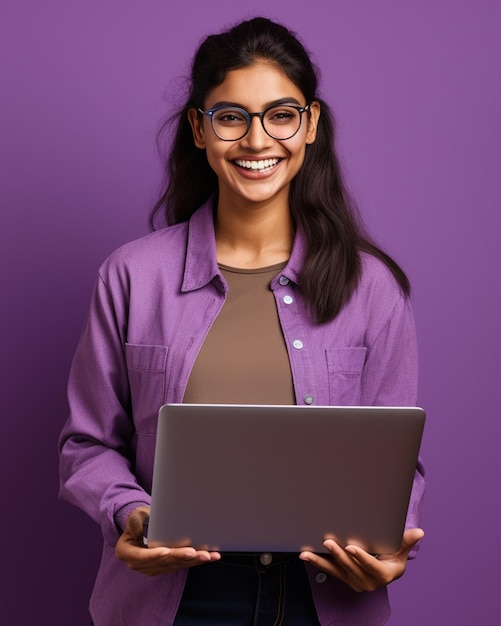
(248, 116)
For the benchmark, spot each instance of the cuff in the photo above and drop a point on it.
(122, 514)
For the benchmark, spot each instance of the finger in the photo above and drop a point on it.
(354, 576)
(325, 561)
(344, 558)
(130, 550)
(326, 564)
(410, 538)
(177, 557)
(337, 560)
(364, 572)
(136, 520)
(157, 561)
(370, 564)
(190, 554)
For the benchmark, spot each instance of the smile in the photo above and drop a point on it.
(259, 166)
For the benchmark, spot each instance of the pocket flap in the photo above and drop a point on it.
(346, 360)
(145, 358)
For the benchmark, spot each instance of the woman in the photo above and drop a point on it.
(262, 289)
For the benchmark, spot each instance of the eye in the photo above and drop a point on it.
(281, 115)
(229, 117)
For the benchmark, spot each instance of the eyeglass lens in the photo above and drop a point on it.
(280, 122)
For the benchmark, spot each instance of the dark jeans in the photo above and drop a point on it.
(240, 591)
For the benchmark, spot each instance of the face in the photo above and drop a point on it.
(255, 168)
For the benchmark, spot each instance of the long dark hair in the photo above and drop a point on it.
(320, 205)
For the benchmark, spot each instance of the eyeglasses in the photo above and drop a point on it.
(233, 123)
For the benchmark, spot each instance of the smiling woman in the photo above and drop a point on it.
(261, 289)
(254, 167)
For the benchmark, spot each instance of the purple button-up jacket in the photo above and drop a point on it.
(154, 302)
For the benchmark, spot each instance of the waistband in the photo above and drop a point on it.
(258, 559)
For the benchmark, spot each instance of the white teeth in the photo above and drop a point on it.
(257, 165)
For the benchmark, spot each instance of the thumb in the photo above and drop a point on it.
(410, 538)
(135, 521)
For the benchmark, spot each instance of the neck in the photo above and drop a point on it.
(253, 237)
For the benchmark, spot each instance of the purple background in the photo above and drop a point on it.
(415, 86)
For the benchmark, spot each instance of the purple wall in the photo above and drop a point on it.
(416, 89)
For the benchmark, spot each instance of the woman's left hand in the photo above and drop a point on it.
(361, 570)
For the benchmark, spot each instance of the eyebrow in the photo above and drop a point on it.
(281, 101)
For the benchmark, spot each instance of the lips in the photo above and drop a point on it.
(263, 165)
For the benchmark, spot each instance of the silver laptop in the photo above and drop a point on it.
(283, 478)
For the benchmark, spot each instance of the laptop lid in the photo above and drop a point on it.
(283, 478)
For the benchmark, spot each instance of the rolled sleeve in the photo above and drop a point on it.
(391, 379)
(97, 441)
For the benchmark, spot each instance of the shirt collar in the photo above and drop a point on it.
(201, 261)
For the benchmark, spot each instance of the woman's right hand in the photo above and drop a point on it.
(155, 561)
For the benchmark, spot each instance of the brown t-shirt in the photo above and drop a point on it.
(244, 358)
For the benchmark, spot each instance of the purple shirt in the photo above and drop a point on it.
(154, 302)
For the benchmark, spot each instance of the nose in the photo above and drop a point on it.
(256, 139)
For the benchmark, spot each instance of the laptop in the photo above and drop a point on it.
(253, 478)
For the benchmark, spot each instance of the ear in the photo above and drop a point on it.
(313, 117)
(196, 121)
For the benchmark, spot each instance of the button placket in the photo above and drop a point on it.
(297, 344)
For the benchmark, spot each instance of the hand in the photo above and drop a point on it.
(359, 569)
(154, 561)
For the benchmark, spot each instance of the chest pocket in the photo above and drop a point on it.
(147, 378)
(344, 366)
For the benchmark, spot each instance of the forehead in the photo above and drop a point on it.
(254, 87)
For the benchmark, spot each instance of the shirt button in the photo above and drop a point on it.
(321, 577)
(266, 558)
(297, 344)
(288, 299)
(283, 280)
(308, 399)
